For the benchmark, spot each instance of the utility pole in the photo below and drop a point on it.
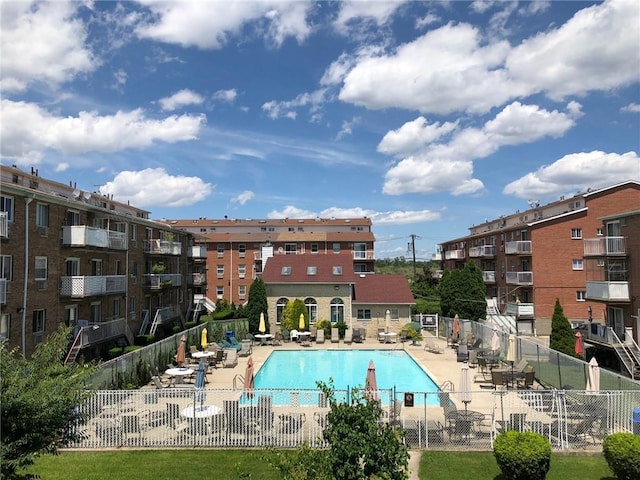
(411, 248)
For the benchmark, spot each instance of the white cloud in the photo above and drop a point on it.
(357, 10)
(427, 20)
(576, 171)
(291, 212)
(286, 109)
(180, 99)
(62, 167)
(227, 96)
(141, 188)
(449, 166)
(377, 218)
(244, 197)
(631, 108)
(413, 136)
(27, 130)
(42, 42)
(209, 25)
(120, 80)
(347, 127)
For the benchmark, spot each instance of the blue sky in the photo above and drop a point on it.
(428, 117)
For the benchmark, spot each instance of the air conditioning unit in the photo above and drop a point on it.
(41, 284)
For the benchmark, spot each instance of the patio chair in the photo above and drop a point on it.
(520, 366)
(131, 426)
(497, 379)
(357, 335)
(431, 346)
(291, 422)
(348, 336)
(277, 339)
(473, 358)
(335, 335)
(527, 381)
(314, 333)
(463, 353)
(477, 344)
(160, 385)
(320, 336)
(245, 349)
(381, 338)
(231, 359)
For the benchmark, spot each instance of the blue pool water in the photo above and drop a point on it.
(300, 369)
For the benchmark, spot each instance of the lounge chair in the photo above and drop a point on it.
(335, 335)
(522, 364)
(245, 349)
(497, 379)
(381, 338)
(232, 343)
(473, 358)
(277, 339)
(232, 358)
(320, 336)
(157, 381)
(431, 346)
(314, 333)
(348, 336)
(357, 335)
(463, 353)
(527, 381)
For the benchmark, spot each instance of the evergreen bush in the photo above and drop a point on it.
(622, 453)
(522, 455)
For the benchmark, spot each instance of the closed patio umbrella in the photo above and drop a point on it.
(495, 341)
(301, 323)
(203, 339)
(200, 381)
(181, 354)
(464, 388)
(262, 327)
(593, 379)
(387, 321)
(371, 383)
(511, 352)
(579, 345)
(456, 326)
(249, 378)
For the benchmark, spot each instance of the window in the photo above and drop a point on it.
(359, 250)
(286, 270)
(41, 268)
(134, 269)
(42, 215)
(280, 306)
(242, 250)
(95, 312)
(336, 248)
(220, 271)
(242, 291)
(599, 232)
(395, 313)
(581, 295)
(242, 271)
(576, 233)
(312, 270)
(220, 292)
(337, 269)
(118, 265)
(96, 267)
(312, 309)
(5, 325)
(39, 317)
(578, 264)
(73, 217)
(72, 267)
(337, 310)
(364, 314)
(6, 205)
(5, 267)
(314, 248)
(220, 250)
(134, 232)
(290, 248)
(70, 315)
(116, 308)
(132, 306)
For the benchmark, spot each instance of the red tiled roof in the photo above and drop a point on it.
(383, 289)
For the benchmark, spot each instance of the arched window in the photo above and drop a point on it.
(280, 304)
(312, 309)
(337, 310)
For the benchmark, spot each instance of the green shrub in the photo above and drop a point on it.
(341, 326)
(522, 455)
(131, 348)
(188, 325)
(114, 352)
(622, 453)
(324, 325)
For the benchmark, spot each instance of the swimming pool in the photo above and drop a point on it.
(300, 369)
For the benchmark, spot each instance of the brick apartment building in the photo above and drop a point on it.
(583, 250)
(238, 249)
(91, 262)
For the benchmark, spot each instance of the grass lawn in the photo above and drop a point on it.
(230, 464)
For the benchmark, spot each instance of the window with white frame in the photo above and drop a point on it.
(599, 232)
(314, 248)
(220, 247)
(5, 326)
(132, 306)
(42, 215)
(134, 231)
(337, 270)
(581, 295)
(576, 233)
(242, 271)
(337, 310)
(220, 291)
(116, 307)
(242, 291)
(73, 217)
(395, 313)
(5, 267)
(290, 248)
(364, 314)
(220, 271)
(312, 309)
(578, 264)
(280, 306)
(72, 267)
(312, 269)
(6, 206)
(336, 248)
(40, 271)
(39, 318)
(242, 250)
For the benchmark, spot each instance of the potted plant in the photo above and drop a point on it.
(158, 268)
(413, 334)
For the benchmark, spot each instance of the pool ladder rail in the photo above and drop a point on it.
(236, 378)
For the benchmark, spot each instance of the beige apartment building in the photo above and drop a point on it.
(70, 256)
(583, 250)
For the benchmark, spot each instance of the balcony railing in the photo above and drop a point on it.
(162, 247)
(362, 254)
(519, 278)
(605, 246)
(520, 309)
(157, 281)
(608, 291)
(84, 236)
(483, 251)
(436, 257)
(489, 276)
(4, 224)
(520, 247)
(199, 278)
(197, 251)
(454, 255)
(99, 332)
(86, 286)
(3, 291)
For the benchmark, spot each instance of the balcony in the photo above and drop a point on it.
(436, 257)
(4, 225)
(197, 252)
(158, 281)
(520, 310)
(604, 246)
(489, 276)
(99, 332)
(482, 251)
(162, 247)
(608, 291)
(84, 236)
(454, 255)
(88, 286)
(362, 254)
(199, 278)
(520, 247)
(3, 291)
(519, 278)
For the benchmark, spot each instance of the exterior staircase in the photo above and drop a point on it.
(629, 354)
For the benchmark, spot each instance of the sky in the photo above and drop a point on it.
(427, 117)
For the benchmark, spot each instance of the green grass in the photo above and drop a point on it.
(230, 464)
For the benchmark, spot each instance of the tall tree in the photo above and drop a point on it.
(41, 401)
(462, 292)
(291, 315)
(562, 337)
(256, 305)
